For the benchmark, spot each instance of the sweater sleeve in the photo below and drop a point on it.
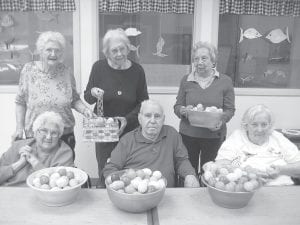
(183, 165)
(91, 83)
(6, 161)
(142, 94)
(228, 102)
(180, 99)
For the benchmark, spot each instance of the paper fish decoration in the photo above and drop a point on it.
(250, 33)
(159, 47)
(276, 36)
(2, 69)
(135, 49)
(132, 31)
(247, 57)
(11, 66)
(12, 47)
(276, 73)
(247, 79)
(7, 21)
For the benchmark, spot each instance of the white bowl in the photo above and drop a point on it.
(57, 197)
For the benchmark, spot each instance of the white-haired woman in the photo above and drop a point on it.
(45, 149)
(124, 84)
(258, 145)
(46, 85)
(206, 86)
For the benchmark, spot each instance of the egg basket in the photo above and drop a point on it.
(204, 119)
(101, 129)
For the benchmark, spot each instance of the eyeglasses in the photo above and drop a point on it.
(45, 132)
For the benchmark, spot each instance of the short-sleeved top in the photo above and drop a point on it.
(40, 92)
(277, 151)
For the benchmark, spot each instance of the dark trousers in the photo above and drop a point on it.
(103, 151)
(206, 148)
(69, 139)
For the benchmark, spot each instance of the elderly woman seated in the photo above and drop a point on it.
(256, 144)
(45, 149)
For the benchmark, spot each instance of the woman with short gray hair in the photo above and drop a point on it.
(124, 86)
(204, 86)
(48, 84)
(258, 145)
(44, 149)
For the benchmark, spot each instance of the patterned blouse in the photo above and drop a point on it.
(40, 92)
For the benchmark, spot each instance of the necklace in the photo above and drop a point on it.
(125, 66)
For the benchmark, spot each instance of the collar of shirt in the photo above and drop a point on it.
(191, 78)
(140, 138)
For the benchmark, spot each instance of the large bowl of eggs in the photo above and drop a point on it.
(230, 186)
(136, 191)
(57, 186)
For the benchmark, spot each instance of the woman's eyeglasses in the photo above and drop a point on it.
(45, 132)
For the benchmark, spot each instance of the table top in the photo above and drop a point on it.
(188, 206)
(269, 205)
(19, 206)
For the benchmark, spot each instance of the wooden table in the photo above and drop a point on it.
(19, 206)
(270, 205)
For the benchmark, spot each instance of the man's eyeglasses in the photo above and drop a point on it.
(45, 132)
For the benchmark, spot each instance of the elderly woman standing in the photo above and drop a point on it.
(45, 149)
(124, 84)
(206, 86)
(45, 85)
(256, 144)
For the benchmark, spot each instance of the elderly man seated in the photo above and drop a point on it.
(44, 150)
(155, 146)
(258, 145)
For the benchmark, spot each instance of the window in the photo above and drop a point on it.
(18, 34)
(164, 46)
(260, 51)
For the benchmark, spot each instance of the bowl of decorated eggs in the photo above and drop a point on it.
(57, 186)
(209, 117)
(136, 191)
(230, 186)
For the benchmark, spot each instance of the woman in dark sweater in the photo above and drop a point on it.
(124, 84)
